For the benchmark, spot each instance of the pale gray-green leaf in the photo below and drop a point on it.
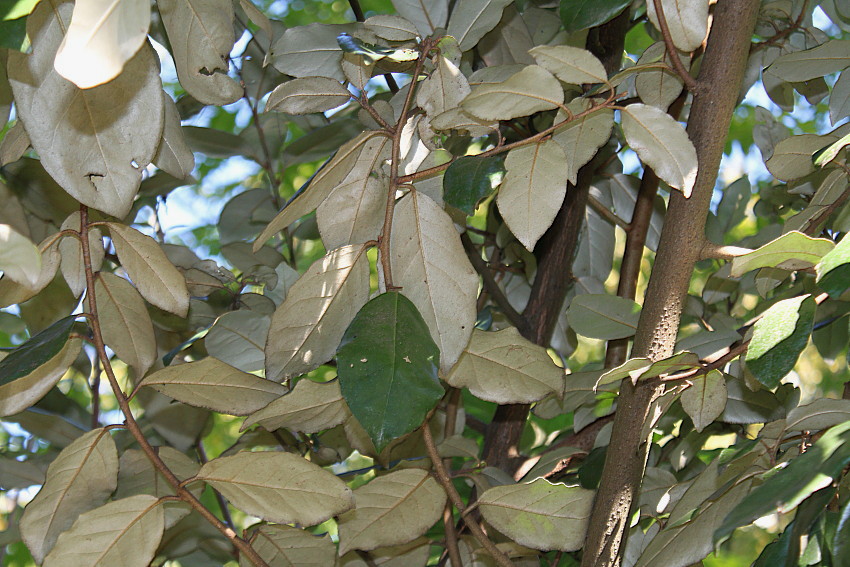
(429, 263)
(154, 275)
(102, 37)
(581, 139)
(174, 155)
(839, 98)
(443, 90)
(201, 34)
(307, 51)
(505, 368)
(531, 90)
(12, 292)
(20, 259)
(72, 266)
(392, 28)
(661, 143)
(125, 532)
(832, 56)
(124, 319)
(820, 414)
(705, 400)
(307, 327)
(278, 487)
(390, 510)
(306, 95)
(18, 395)
(533, 189)
(212, 384)
(570, 64)
(659, 87)
(14, 144)
(540, 515)
(238, 337)
(285, 546)
(792, 157)
(472, 19)
(687, 21)
(325, 181)
(80, 479)
(427, 16)
(791, 251)
(97, 157)
(309, 408)
(602, 316)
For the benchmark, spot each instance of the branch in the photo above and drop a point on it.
(712, 251)
(442, 477)
(130, 421)
(686, 77)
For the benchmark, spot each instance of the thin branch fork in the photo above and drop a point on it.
(130, 421)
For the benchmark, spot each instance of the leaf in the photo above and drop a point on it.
(825, 155)
(392, 509)
(35, 352)
(687, 21)
(579, 15)
(642, 369)
(201, 36)
(325, 181)
(824, 59)
(744, 406)
(533, 189)
(429, 263)
(505, 368)
(581, 139)
(217, 143)
(469, 179)
(287, 546)
(311, 50)
(531, 90)
(779, 336)
(21, 393)
(426, 16)
(661, 143)
(154, 275)
(127, 327)
(540, 515)
(792, 157)
(278, 487)
(239, 337)
(353, 212)
(102, 37)
(655, 86)
(309, 408)
(472, 19)
(80, 479)
(839, 98)
(411, 554)
(174, 155)
(306, 95)
(791, 251)
(444, 90)
(124, 532)
(212, 384)
(705, 400)
(818, 415)
(391, 28)
(789, 486)
(833, 269)
(307, 327)
(386, 361)
(602, 316)
(88, 153)
(70, 248)
(20, 259)
(570, 64)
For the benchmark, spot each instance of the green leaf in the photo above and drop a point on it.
(830, 57)
(287, 546)
(469, 179)
(390, 510)
(789, 486)
(540, 515)
(779, 337)
(827, 154)
(17, 395)
(602, 316)
(125, 532)
(705, 400)
(791, 251)
(387, 360)
(36, 351)
(531, 90)
(833, 270)
(279, 487)
(307, 95)
(309, 408)
(505, 368)
(570, 64)
(126, 325)
(582, 14)
(20, 259)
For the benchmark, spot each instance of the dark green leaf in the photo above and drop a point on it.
(775, 553)
(582, 14)
(469, 179)
(834, 269)
(788, 487)
(387, 365)
(841, 543)
(13, 33)
(779, 337)
(36, 351)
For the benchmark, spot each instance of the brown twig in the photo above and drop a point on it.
(683, 73)
(222, 503)
(445, 481)
(130, 421)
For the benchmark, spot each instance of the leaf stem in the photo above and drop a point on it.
(446, 482)
(130, 421)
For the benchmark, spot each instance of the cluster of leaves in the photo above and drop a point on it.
(341, 360)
